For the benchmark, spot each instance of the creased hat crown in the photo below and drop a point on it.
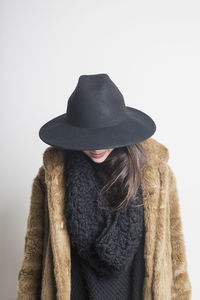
(95, 102)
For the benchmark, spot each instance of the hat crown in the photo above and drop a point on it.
(96, 102)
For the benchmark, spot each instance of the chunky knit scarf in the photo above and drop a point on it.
(105, 241)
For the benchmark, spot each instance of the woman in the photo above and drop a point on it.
(104, 219)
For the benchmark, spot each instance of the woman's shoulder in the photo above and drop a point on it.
(156, 151)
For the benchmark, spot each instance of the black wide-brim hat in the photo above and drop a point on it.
(97, 118)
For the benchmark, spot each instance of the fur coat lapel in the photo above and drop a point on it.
(166, 275)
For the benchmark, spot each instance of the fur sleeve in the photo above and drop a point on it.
(29, 276)
(181, 288)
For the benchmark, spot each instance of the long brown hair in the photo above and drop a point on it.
(121, 173)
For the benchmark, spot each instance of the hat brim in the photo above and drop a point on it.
(135, 127)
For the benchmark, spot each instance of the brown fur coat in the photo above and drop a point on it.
(46, 266)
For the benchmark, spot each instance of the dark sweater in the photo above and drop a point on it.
(128, 283)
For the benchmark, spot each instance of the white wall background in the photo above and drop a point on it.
(150, 49)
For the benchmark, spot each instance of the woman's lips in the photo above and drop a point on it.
(98, 155)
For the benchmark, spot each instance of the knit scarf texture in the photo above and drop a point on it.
(105, 241)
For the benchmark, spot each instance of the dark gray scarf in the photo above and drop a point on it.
(106, 241)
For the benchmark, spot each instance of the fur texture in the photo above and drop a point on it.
(45, 270)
